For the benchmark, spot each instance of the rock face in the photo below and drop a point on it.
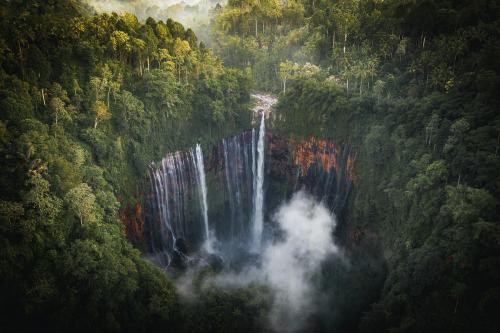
(321, 167)
(264, 103)
(132, 218)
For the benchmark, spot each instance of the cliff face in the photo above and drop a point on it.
(132, 217)
(321, 167)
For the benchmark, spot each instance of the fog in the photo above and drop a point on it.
(194, 14)
(289, 264)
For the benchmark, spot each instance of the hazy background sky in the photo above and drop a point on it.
(194, 14)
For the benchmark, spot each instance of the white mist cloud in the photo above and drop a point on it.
(139, 7)
(289, 264)
(190, 13)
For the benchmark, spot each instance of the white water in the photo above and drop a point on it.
(181, 177)
(200, 170)
(258, 214)
(254, 176)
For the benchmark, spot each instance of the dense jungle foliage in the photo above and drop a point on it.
(88, 100)
(413, 86)
(86, 103)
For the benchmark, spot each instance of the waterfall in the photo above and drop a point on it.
(180, 207)
(238, 180)
(254, 176)
(178, 216)
(254, 161)
(202, 190)
(258, 213)
(179, 219)
(166, 233)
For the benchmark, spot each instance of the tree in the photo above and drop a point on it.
(81, 202)
(455, 147)
(190, 37)
(164, 36)
(166, 59)
(134, 118)
(120, 42)
(39, 198)
(151, 41)
(56, 90)
(138, 47)
(162, 93)
(130, 20)
(344, 15)
(288, 70)
(98, 86)
(58, 109)
(181, 52)
(100, 111)
(308, 70)
(378, 88)
(402, 47)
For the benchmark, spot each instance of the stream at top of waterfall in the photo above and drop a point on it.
(264, 102)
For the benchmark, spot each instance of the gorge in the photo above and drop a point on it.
(256, 207)
(227, 216)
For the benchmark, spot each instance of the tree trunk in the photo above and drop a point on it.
(498, 141)
(333, 40)
(148, 62)
(109, 90)
(43, 98)
(21, 62)
(256, 31)
(345, 41)
(95, 122)
(20, 50)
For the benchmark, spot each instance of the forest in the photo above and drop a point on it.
(395, 102)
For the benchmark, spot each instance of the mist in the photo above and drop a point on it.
(194, 14)
(288, 265)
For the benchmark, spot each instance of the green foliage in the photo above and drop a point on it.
(87, 102)
(81, 202)
(219, 309)
(428, 187)
(407, 89)
(359, 41)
